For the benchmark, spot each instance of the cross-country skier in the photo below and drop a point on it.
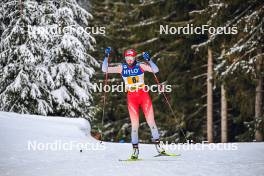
(137, 95)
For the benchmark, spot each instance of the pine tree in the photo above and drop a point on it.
(44, 72)
(21, 90)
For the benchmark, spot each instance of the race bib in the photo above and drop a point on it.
(132, 79)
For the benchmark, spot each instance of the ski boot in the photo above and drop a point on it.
(135, 153)
(159, 147)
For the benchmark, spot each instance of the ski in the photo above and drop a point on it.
(166, 154)
(148, 159)
(139, 159)
(159, 155)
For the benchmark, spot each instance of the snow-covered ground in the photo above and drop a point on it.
(16, 159)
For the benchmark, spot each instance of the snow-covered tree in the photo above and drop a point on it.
(243, 50)
(243, 47)
(44, 60)
(21, 90)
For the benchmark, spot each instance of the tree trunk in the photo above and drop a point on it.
(21, 7)
(258, 102)
(223, 115)
(210, 97)
(224, 130)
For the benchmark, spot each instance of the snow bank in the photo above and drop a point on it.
(44, 124)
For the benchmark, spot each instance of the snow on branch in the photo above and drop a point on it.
(148, 22)
(144, 43)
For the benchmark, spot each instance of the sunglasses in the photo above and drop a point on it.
(130, 58)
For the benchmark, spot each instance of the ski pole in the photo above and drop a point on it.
(167, 101)
(104, 98)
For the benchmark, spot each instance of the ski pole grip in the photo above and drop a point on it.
(108, 51)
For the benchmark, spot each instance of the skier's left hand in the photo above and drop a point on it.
(146, 56)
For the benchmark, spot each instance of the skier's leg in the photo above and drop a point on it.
(133, 108)
(147, 108)
(149, 115)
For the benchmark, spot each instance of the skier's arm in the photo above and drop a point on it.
(105, 68)
(116, 69)
(152, 67)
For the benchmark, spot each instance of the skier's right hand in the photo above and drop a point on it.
(107, 51)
